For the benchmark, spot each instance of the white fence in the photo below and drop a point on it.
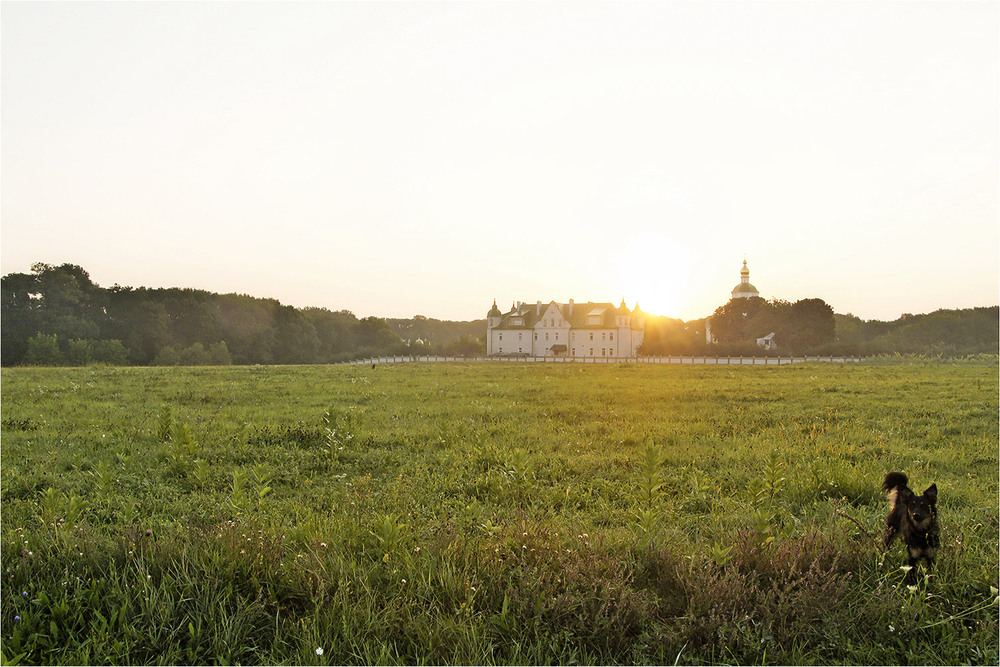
(723, 361)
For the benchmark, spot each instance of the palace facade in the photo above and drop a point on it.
(565, 329)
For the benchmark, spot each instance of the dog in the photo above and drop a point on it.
(913, 518)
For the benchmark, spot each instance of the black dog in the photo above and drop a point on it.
(913, 518)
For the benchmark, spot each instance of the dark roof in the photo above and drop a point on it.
(745, 287)
(578, 320)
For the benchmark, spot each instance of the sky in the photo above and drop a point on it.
(403, 158)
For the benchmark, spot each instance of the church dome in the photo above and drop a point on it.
(494, 311)
(745, 290)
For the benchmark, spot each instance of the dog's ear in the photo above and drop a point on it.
(931, 493)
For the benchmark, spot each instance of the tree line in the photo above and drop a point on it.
(810, 326)
(56, 315)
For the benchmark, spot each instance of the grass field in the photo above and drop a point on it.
(485, 513)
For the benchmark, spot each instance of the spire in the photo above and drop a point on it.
(744, 289)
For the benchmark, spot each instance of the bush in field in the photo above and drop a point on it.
(43, 350)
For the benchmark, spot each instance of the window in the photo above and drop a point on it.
(602, 352)
(591, 351)
(557, 335)
(603, 334)
(591, 335)
(501, 336)
(574, 351)
(519, 336)
(536, 335)
(611, 336)
(546, 336)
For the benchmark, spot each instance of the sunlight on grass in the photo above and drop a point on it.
(493, 514)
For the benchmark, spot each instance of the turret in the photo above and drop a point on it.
(493, 317)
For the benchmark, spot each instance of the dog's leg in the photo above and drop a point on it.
(892, 528)
(913, 561)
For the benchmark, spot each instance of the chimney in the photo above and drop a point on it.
(538, 309)
(571, 307)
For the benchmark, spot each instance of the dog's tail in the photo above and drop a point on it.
(894, 481)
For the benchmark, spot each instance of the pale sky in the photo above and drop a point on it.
(402, 158)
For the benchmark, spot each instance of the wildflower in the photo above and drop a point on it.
(24, 594)
(891, 629)
(319, 651)
(912, 589)
(906, 568)
(323, 544)
(17, 618)
(403, 580)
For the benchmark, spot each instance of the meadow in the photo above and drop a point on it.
(482, 513)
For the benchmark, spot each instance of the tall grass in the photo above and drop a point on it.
(493, 514)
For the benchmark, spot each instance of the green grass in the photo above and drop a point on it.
(494, 513)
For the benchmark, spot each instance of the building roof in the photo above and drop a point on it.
(745, 288)
(526, 315)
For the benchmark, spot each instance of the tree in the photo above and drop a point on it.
(734, 321)
(139, 321)
(295, 337)
(811, 325)
(79, 352)
(19, 310)
(194, 355)
(167, 356)
(43, 350)
(110, 352)
(218, 354)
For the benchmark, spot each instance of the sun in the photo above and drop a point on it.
(654, 272)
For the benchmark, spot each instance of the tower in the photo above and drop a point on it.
(492, 320)
(745, 290)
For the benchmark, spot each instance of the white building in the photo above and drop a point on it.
(565, 329)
